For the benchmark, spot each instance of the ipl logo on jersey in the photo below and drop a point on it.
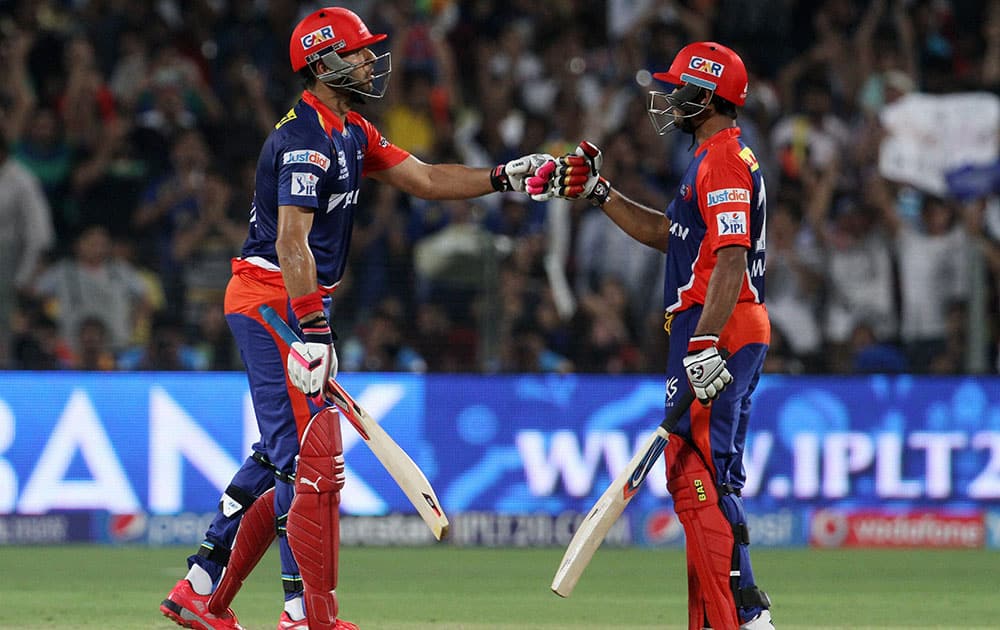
(304, 185)
(731, 223)
(707, 66)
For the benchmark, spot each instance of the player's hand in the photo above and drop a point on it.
(706, 368)
(511, 176)
(572, 176)
(313, 360)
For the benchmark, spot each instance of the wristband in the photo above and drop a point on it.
(702, 342)
(499, 179)
(317, 330)
(602, 190)
(305, 304)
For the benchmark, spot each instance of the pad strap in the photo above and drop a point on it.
(214, 552)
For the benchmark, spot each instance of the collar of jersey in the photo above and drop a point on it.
(327, 119)
(717, 137)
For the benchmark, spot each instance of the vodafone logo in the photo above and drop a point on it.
(829, 528)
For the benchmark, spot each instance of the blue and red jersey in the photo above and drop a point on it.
(315, 160)
(720, 202)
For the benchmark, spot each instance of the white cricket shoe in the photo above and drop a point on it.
(760, 622)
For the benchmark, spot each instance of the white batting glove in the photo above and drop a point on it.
(511, 176)
(313, 360)
(706, 368)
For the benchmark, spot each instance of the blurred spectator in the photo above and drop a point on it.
(39, 346)
(93, 283)
(858, 263)
(45, 151)
(871, 356)
(27, 232)
(204, 244)
(795, 278)
(932, 274)
(168, 203)
(94, 350)
(380, 346)
(165, 350)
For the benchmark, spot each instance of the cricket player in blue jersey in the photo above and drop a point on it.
(713, 233)
(306, 196)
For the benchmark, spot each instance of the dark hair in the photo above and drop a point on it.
(724, 107)
(308, 77)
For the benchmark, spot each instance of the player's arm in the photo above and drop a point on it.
(298, 267)
(642, 223)
(457, 181)
(436, 181)
(723, 290)
(313, 360)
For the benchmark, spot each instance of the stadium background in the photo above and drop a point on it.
(513, 348)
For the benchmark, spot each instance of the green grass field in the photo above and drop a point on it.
(446, 588)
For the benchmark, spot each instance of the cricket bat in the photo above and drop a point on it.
(401, 467)
(591, 532)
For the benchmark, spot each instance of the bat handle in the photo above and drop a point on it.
(278, 324)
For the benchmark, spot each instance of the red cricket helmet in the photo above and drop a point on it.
(329, 34)
(711, 66)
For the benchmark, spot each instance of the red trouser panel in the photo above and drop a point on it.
(709, 539)
(254, 536)
(314, 518)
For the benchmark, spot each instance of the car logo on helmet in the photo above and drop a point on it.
(317, 37)
(707, 66)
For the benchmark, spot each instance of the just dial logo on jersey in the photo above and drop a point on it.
(306, 156)
(728, 195)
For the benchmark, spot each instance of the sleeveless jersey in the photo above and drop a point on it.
(720, 202)
(313, 160)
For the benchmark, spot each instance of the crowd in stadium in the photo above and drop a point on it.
(131, 132)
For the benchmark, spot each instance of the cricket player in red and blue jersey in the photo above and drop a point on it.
(713, 236)
(307, 193)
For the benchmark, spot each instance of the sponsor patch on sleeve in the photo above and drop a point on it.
(728, 195)
(746, 154)
(306, 156)
(732, 223)
(304, 185)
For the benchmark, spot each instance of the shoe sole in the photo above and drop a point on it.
(175, 612)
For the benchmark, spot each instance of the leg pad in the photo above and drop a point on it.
(313, 526)
(709, 538)
(253, 537)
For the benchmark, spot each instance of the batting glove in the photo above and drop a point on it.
(313, 360)
(572, 176)
(706, 368)
(511, 176)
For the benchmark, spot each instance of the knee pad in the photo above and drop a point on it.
(709, 538)
(313, 526)
(252, 540)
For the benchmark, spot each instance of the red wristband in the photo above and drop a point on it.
(305, 304)
(701, 342)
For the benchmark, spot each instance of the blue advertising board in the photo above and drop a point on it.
(162, 444)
